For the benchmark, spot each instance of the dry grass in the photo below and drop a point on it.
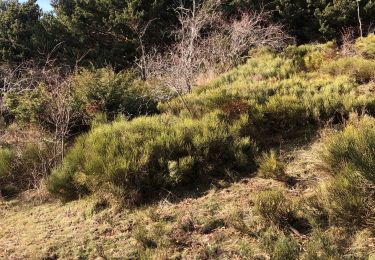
(82, 228)
(221, 224)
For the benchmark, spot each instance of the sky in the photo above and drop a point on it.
(44, 4)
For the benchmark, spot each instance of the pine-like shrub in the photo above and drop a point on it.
(147, 153)
(361, 69)
(350, 157)
(347, 199)
(366, 46)
(105, 91)
(354, 146)
(271, 167)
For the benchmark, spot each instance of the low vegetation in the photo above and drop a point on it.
(273, 159)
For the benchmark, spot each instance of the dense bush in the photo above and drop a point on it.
(27, 106)
(349, 155)
(147, 153)
(357, 67)
(310, 57)
(347, 200)
(279, 96)
(26, 157)
(7, 169)
(112, 93)
(354, 146)
(366, 46)
(22, 167)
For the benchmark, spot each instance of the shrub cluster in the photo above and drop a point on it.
(148, 153)
(88, 92)
(350, 157)
(21, 168)
(111, 93)
(362, 70)
(366, 46)
(279, 96)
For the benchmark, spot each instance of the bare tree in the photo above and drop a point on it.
(359, 19)
(206, 39)
(62, 114)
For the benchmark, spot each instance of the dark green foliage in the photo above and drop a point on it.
(27, 106)
(107, 31)
(145, 154)
(312, 20)
(19, 29)
(335, 15)
(112, 93)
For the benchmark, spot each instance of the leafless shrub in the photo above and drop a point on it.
(60, 113)
(206, 40)
(348, 39)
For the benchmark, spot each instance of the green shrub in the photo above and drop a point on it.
(353, 146)
(347, 200)
(147, 153)
(286, 248)
(7, 161)
(311, 57)
(366, 46)
(23, 166)
(321, 246)
(278, 102)
(273, 207)
(104, 90)
(350, 157)
(282, 113)
(271, 167)
(357, 67)
(27, 106)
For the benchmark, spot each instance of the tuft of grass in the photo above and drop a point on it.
(321, 246)
(286, 248)
(273, 207)
(347, 200)
(271, 167)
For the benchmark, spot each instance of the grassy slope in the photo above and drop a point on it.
(222, 223)
(218, 224)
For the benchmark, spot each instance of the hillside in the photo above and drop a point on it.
(274, 159)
